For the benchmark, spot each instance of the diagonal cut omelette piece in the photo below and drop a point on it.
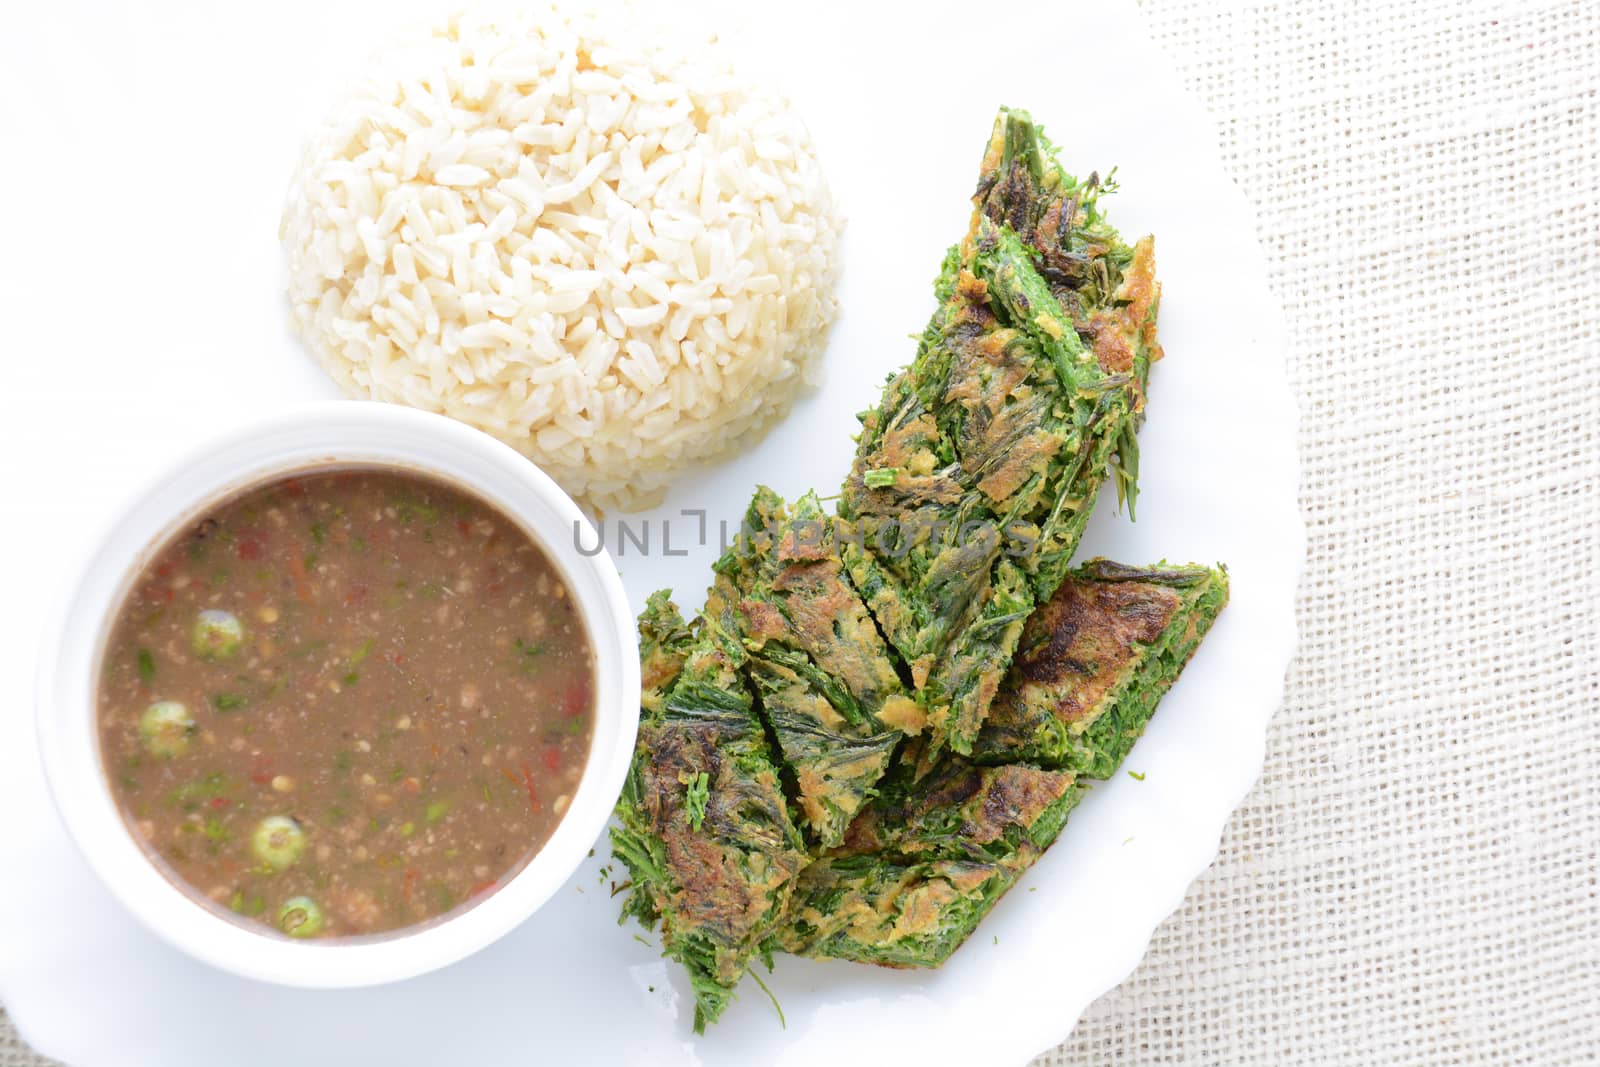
(924, 863)
(822, 672)
(1095, 660)
(705, 829)
(976, 474)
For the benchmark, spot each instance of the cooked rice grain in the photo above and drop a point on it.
(615, 256)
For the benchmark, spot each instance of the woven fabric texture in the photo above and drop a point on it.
(1414, 881)
(13, 1053)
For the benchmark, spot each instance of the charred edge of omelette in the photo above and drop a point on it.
(1095, 660)
(964, 811)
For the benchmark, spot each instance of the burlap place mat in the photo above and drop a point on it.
(13, 1053)
(1414, 880)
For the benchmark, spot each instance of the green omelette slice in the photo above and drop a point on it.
(1095, 660)
(942, 510)
(964, 810)
(976, 473)
(664, 643)
(924, 863)
(1106, 287)
(819, 667)
(705, 827)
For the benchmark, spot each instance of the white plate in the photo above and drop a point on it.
(143, 279)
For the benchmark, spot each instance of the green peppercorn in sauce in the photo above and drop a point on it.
(346, 702)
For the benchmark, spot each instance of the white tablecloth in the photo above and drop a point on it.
(1415, 878)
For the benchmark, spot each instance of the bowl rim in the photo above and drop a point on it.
(349, 433)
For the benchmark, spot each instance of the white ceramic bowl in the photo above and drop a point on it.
(339, 433)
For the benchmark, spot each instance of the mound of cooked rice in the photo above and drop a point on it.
(616, 256)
